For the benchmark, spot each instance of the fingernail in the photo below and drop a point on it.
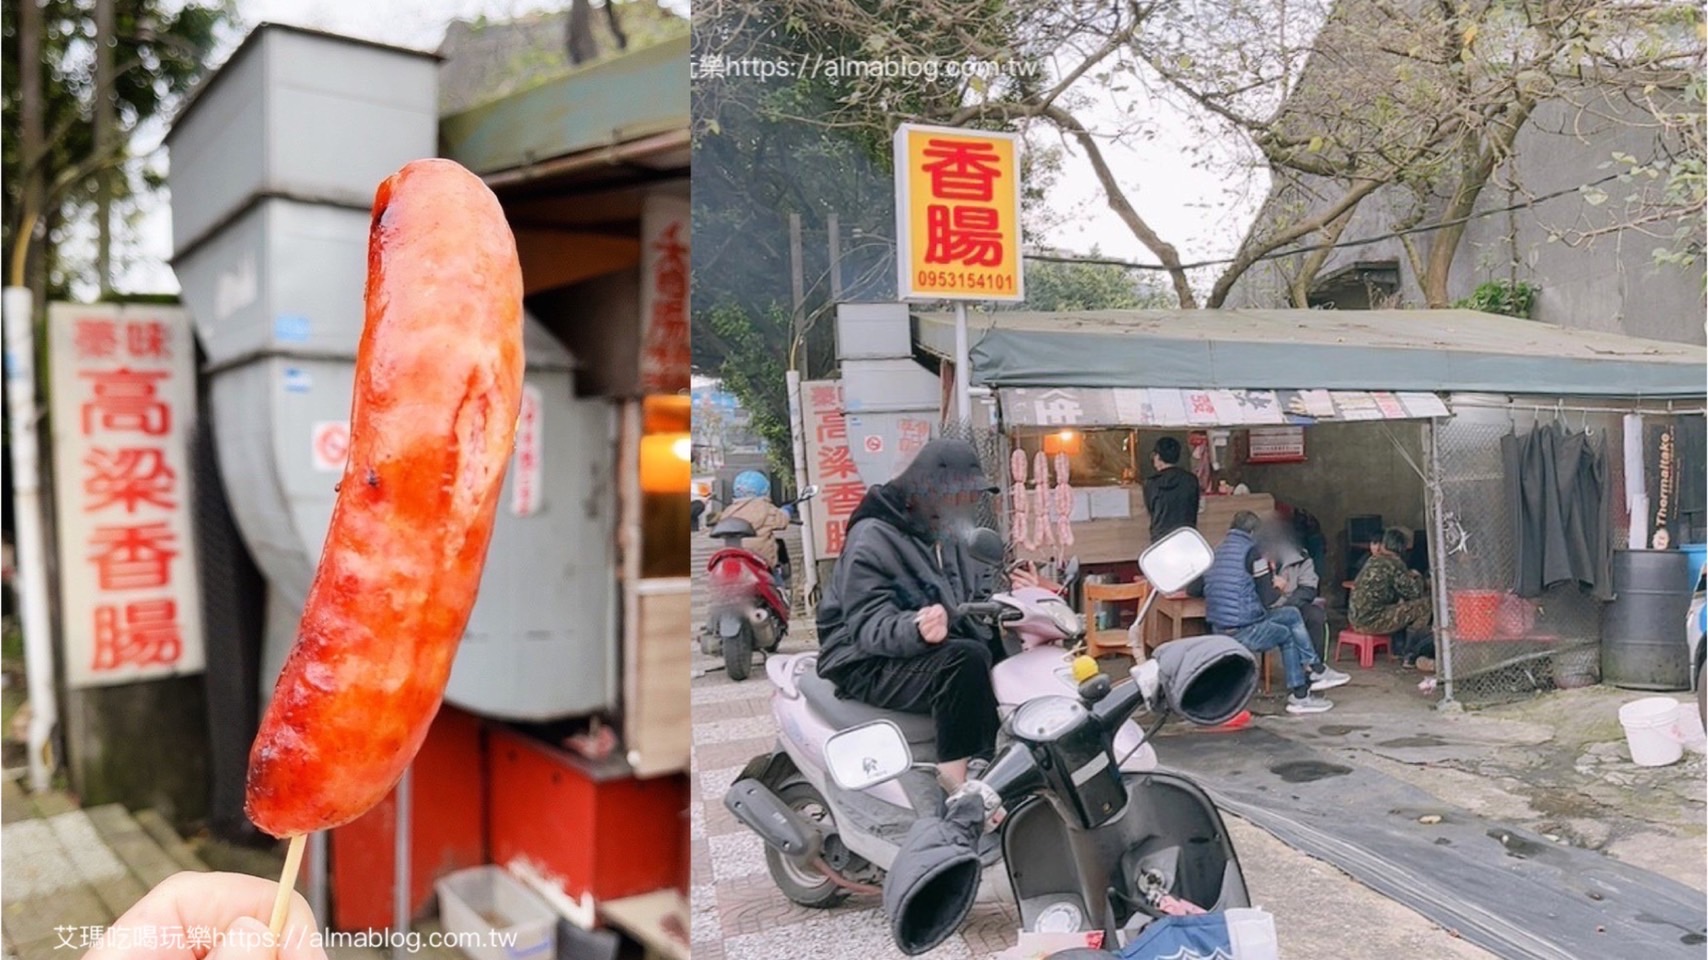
(246, 937)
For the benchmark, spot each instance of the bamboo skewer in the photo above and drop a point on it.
(287, 884)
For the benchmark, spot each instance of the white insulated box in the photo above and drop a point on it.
(298, 113)
(873, 331)
(882, 386)
(283, 276)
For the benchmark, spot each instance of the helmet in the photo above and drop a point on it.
(751, 483)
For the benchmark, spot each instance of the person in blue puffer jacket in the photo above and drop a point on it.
(1239, 589)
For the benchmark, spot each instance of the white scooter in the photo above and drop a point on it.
(825, 840)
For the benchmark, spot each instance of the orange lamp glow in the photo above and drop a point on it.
(1062, 441)
(665, 466)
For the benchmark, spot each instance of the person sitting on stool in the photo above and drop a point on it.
(1388, 598)
(1295, 575)
(1238, 590)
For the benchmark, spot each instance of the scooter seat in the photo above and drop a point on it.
(820, 693)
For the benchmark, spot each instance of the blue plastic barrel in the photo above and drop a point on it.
(1698, 554)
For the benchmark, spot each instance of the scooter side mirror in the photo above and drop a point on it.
(862, 757)
(807, 492)
(1172, 563)
(986, 547)
(1070, 573)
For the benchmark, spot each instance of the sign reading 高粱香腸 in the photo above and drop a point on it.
(957, 214)
(124, 404)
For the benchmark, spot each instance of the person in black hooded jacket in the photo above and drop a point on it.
(887, 629)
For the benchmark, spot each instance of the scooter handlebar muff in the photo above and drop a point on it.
(931, 887)
(1207, 680)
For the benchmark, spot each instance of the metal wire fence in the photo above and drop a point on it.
(992, 448)
(1503, 647)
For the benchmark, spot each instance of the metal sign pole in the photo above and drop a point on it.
(963, 376)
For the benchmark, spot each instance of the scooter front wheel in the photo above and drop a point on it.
(738, 653)
(803, 883)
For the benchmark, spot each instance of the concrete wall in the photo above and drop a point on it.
(1612, 285)
(1350, 469)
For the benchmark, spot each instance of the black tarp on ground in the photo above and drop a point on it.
(1508, 890)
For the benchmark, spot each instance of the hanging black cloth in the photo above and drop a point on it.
(1558, 493)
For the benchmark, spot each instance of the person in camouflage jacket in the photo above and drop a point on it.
(1388, 598)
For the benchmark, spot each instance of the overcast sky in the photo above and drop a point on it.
(1203, 212)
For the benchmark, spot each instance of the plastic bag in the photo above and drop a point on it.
(1235, 934)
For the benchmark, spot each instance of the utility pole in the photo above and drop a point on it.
(797, 416)
(835, 259)
(797, 289)
(105, 40)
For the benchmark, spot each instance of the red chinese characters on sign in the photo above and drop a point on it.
(525, 482)
(664, 305)
(961, 173)
(836, 463)
(962, 169)
(915, 434)
(126, 401)
(134, 556)
(832, 467)
(130, 477)
(969, 235)
(131, 495)
(96, 339)
(143, 633)
(147, 338)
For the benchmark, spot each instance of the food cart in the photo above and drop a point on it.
(1395, 416)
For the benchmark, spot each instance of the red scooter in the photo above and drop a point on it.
(749, 603)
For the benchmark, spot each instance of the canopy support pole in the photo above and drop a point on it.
(1434, 506)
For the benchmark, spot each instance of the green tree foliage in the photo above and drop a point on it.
(754, 374)
(1052, 285)
(161, 48)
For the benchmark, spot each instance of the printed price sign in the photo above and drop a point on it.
(123, 386)
(957, 214)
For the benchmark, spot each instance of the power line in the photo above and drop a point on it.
(1296, 251)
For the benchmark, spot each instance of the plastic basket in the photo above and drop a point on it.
(1475, 614)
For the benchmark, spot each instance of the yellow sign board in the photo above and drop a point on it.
(957, 214)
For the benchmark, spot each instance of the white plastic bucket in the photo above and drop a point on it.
(1689, 728)
(1650, 731)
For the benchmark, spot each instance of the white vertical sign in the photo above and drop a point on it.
(124, 408)
(525, 472)
(664, 359)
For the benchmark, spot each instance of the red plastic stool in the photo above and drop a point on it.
(1365, 643)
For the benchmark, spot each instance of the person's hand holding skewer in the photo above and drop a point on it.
(210, 916)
